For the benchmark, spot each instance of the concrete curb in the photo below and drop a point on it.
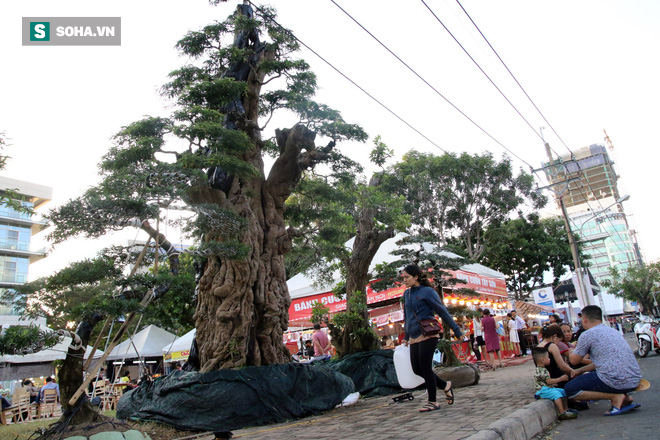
(522, 424)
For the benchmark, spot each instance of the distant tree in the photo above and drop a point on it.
(524, 249)
(640, 284)
(453, 199)
(327, 211)
(9, 196)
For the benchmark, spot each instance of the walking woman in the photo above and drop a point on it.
(492, 339)
(420, 303)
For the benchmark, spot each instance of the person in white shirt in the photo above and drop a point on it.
(520, 326)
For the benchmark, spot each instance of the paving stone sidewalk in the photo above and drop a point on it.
(498, 394)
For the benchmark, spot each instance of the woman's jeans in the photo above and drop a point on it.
(421, 358)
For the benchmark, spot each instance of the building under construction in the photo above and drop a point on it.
(595, 210)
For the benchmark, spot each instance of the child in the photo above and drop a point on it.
(545, 386)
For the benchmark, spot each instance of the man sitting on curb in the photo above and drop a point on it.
(617, 371)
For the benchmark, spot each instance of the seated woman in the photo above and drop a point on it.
(552, 335)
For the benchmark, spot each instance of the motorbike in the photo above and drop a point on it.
(647, 332)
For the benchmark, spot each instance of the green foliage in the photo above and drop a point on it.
(26, 339)
(319, 313)
(524, 249)
(91, 287)
(433, 260)
(326, 211)
(160, 161)
(636, 283)
(354, 318)
(9, 197)
(457, 197)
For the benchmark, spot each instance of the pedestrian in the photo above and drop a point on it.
(50, 384)
(513, 333)
(420, 302)
(555, 319)
(546, 387)
(616, 370)
(32, 390)
(492, 339)
(473, 342)
(521, 325)
(580, 329)
(479, 334)
(321, 344)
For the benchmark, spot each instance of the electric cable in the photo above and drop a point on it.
(581, 172)
(481, 69)
(431, 87)
(514, 78)
(272, 20)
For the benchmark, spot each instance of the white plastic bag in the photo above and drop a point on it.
(404, 372)
(437, 356)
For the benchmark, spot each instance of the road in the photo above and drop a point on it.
(643, 423)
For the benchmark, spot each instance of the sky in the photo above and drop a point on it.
(587, 66)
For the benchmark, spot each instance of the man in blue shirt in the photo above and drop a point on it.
(50, 384)
(616, 369)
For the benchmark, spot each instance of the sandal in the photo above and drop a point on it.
(429, 406)
(616, 411)
(449, 395)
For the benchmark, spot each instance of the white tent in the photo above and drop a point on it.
(149, 343)
(54, 353)
(179, 349)
(301, 286)
(15, 367)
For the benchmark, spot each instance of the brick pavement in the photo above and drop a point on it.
(497, 395)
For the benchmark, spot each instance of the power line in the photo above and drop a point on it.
(272, 20)
(482, 70)
(532, 102)
(430, 86)
(514, 78)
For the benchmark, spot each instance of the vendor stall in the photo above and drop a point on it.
(385, 308)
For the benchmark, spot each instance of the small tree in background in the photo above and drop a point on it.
(524, 249)
(416, 250)
(327, 211)
(639, 284)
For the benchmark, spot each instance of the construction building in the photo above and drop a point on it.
(595, 210)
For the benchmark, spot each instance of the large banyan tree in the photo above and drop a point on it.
(207, 158)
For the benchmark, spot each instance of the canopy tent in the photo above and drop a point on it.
(149, 343)
(16, 367)
(179, 349)
(56, 352)
(303, 286)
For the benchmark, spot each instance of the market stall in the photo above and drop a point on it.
(385, 308)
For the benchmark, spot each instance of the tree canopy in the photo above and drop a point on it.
(639, 284)
(524, 249)
(454, 198)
